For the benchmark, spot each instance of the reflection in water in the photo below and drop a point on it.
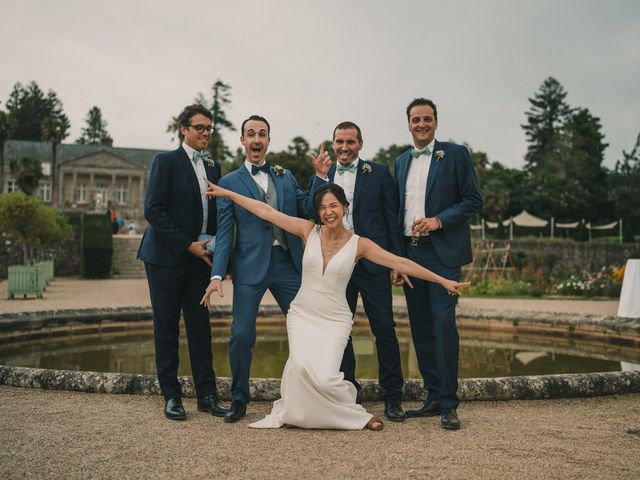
(481, 355)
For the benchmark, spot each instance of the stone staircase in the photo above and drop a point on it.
(124, 262)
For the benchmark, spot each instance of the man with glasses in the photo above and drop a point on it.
(265, 256)
(177, 265)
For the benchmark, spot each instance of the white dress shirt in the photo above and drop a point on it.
(416, 189)
(348, 183)
(201, 173)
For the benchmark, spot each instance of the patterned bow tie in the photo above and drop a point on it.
(204, 156)
(415, 152)
(263, 168)
(348, 168)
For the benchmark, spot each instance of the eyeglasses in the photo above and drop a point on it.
(201, 128)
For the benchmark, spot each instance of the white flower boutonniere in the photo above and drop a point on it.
(278, 170)
(210, 162)
(439, 154)
(366, 168)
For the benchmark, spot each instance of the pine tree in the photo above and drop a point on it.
(95, 133)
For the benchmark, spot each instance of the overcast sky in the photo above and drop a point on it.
(306, 65)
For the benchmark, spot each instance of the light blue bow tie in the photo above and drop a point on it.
(415, 152)
(349, 168)
(204, 156)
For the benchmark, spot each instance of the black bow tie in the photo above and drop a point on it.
(264, 168)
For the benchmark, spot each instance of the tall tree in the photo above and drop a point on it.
(220, 99)
(624, 191)
(28, 107)
(54, 130)
(95, 132)
(4, 134)
(27, 171)
(545, 118)
(295, 159)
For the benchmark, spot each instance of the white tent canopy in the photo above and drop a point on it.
(601, 227)
(525, 219)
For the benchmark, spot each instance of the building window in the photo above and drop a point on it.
(45, 192)
(11, 186)
(101, 194)
(121, 195)
(81, 193)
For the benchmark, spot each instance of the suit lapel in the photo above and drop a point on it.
(402, 177)
(185, 161)
(278, 182)
(245, 177)
(332, 173)
(358, 187)
(433, 170)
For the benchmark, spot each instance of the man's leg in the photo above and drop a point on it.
(377, 301)
(166, 289)
(422, 326)
(198, 327)
(246, 300)
(282, 278)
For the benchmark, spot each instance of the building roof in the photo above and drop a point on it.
(43, 151)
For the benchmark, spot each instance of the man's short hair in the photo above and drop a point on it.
(345, 126)
(184, 119)
(422, 101)
(259, 119)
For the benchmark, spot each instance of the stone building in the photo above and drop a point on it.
(88, 178)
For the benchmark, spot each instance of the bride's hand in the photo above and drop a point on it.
(453, 287)
(214, 190)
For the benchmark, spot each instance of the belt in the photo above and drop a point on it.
(418, 241)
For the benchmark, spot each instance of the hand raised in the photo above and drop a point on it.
(321, 163)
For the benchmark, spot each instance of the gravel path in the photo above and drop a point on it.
(65, 293)
(70, 435)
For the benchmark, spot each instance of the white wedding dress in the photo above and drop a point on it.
(313, 390)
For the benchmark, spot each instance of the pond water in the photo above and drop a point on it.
(481, 354)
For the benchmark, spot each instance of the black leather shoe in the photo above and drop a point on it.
(428, 408)
(236, 412)
(173, 409)
(209, 404)
(393, 411)
(449, 419)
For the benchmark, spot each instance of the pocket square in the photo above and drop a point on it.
(212, 241)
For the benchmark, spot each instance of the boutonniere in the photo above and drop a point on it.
(366, 168)
(278, 170)
(210, 162)
(439, 154)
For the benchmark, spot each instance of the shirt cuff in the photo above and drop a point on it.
(439, 223)
(216, 277)
(326, 179)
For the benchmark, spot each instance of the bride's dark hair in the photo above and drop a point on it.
(322, 190)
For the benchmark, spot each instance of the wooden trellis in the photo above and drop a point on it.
(490, 259)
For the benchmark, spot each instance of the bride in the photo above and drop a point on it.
(313, 391)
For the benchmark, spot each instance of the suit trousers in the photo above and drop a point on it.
(432, 316)
(283, 281)
(377, 300)
(173, 290)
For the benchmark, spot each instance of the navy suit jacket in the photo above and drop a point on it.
(251, 247)
(173, 208)
(374, 209)
(452, 194)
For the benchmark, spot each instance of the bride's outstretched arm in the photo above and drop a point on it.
(294, 225)
(371, 251)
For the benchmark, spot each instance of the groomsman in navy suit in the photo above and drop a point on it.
(264, 256)
(373, 213)
(439, 194)
(177, 265)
